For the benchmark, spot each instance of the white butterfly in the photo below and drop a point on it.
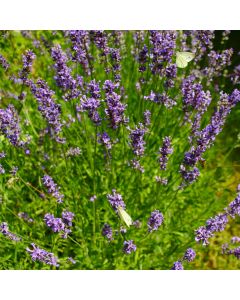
(124, 216)
(183, 58)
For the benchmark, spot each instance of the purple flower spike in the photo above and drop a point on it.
(189, 255)
(129, 247)
(41, 255)
(155, 221)
(177, 266)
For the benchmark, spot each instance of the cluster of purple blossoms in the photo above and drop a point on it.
(234, 207)
(164, 152)
(206, 137)
(9, 125)
(142, 58)
(135, 164)
(177, 266)
(63, 76)
(235, 76)
(116, 200)
(73, 151)
(201, 41)
(49, 109)
(163, 44)
(100, 39)
(107, 232)
(41, 255)
(129, 247)
(115, 62)
(216, 224)
(5, 231)
(155, 220)
(194, 99)
(25, 217)
(147, 118)
(2, 170)
(218, 62)
(137, 139)
(80, 44)
(235, 240)
(27, 58)
(115, 109)
(104, 139)
(92, 103)
(219, 222)
(52, 188)
(60, 224)
(189, 255)
(2, 154)
(4, 63)
(93, 198)
(163, 99)
(163, 181)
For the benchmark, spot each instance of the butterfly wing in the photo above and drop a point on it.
(125, 216)
(188, 56)
(183, 58)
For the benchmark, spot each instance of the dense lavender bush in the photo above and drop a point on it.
(112, 153)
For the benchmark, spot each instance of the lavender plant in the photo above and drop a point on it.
(111, 155)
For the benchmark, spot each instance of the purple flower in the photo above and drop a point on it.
(105, 140)
(163, 44)
(56, 224)
(137, 139)
(67, 217)
(5, 231)
(129, 247)
(107, 232)
(27, 58)
(80, 47)
(9, 125)
(155, 220)
(189, 255)
(41, 255)
(73, 151)
(116, 200)
(189, 176)
(161, 99)
(234, 207)
(135, 164)
(163, 181)
(4, 63)
(63, 75)
(93, 198)
(217, 223)
(164, 152)
(142, 59)
(90, 105)
(71, 260)
(2, 170)
(147, 118)
(25, 217)
(235, 239)
(202, 234)
(115, 110)
(2, 154)
(49, 109)
(177, 266)
(52, 188)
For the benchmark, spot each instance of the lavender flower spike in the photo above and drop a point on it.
(41, 255)
(164, 152)
(155, 221)
(116, 200)
(129, 247)
(52, 188)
